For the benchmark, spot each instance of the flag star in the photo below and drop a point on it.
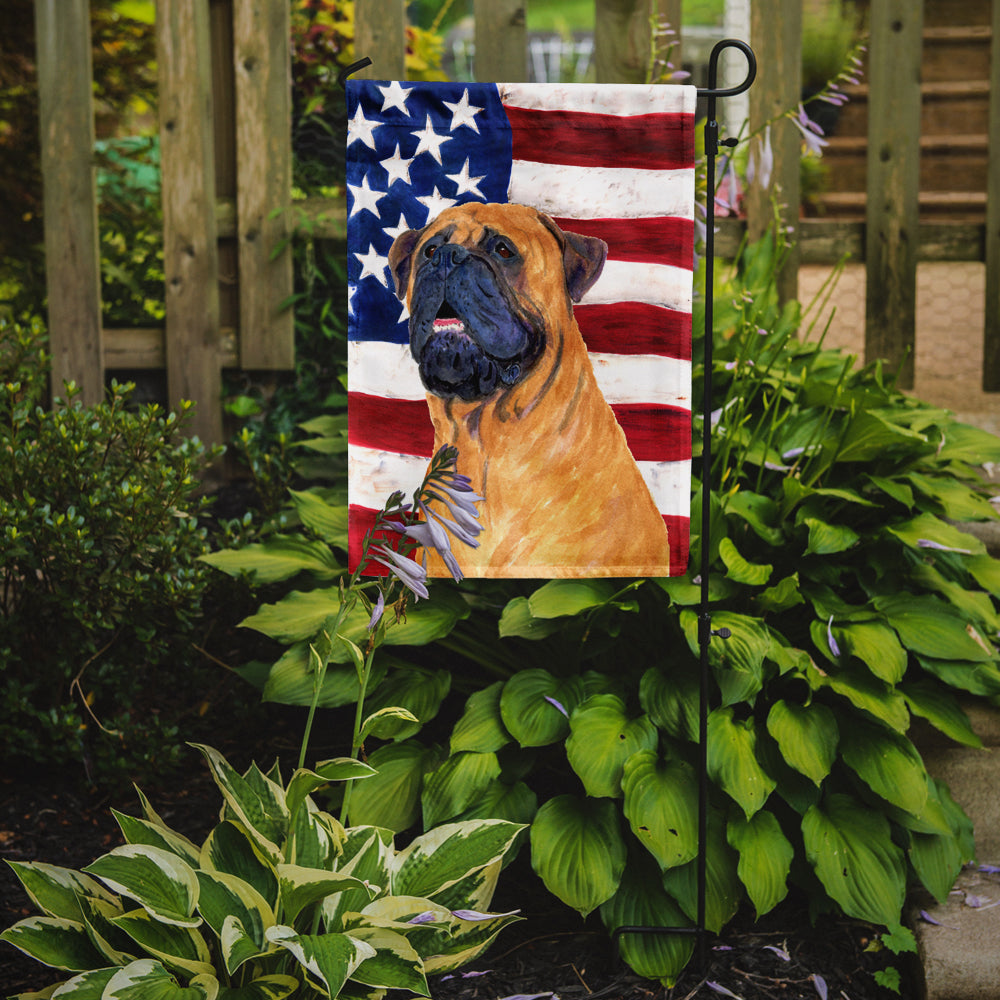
(463, 113)
(351, 289)
(465, 183)
(397, 168)
(401, 227)
(364, 197)
(430, 141)
(373, 264)
(404, 313)
(435, 204)
(361, 128)
(395, 97)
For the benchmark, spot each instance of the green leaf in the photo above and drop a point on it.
(783, 595)
(330, 959)
(578, 851)
(440, 858)
(527, 709)
(888, 763)
(828, 539)
(147, 979)
(986, 571)
(86, 986)
(850, 848)
(941, 709)
(732, 760)
(517, 620)
(601, 739)
(304, 782)
(279, 558)
(225, 897)
(386, 722)
(516, 803)
(760, 512)
(965, 443)
(141, 831)
(765, 858)
(230, 849)
(866, 692)
(54, 941)
(937, 860)
(807, 736)
(391, 798)
(957, 501)
(56, 891)
(181, 948)
(738, 661)
(395, 964)
(640, 901)
(869, 436)
(741, 571)
(417, 690)
(976, 678)
(671, 700)
(327, 520)
(876, 646)
(292, 680)
(275, 987)
(301, 887)
(481, 727)
(661, 798)
(927, 527)
(931, 628)
(163, 884)
(559, 598)
(456, 784)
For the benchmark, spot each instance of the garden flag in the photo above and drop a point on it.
(520, 280)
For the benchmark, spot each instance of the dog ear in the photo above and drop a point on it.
(583, 258)
(399, 258)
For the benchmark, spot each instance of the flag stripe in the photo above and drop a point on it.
(378, 368)
(635, 328)
(654, 433)
(580, 139)
(590, 98)
(656, 240)
(659, 284)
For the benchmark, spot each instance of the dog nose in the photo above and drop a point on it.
(450, 255)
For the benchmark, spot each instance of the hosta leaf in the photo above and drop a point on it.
(578, 851)
(732, 760)
(230, 849)
(739, 569)
(291, 680)
(850, 848)
(876, 646)
(559, 598)
(141, 831)
(441, 857)
(304, 782)
(391, 798)
(765, 858)
(415, 689)
(280, 557)
(827, 539)
(300, 887)
(661, 799)
(807, 736)
(976, 605)
(366, 855)
(937, 860)
(456, 784)
(986, 571)
(866, 692)
(395, 964)
(56, 891)
(601, 739)
(517, 620)
(738, 661)
(941, 709)
(98, 916)
(888, 763)
(931, 628)
(928, 528)
(159, 881)
(147, 979)
(274, 987)
(976, 678)
(758, 511)
(870, 435)
(530, 706)
(957, 501)
(330, 959)
(180, 948)
(516, 803)
(54, 941)
(227, 897)
(783, 595)
(671, 700)
(641, 901)
(465, 941)
(481, 728)
(86, 986)
(327, 520)
(723, 889)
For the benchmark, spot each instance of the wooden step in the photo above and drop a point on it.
(956, 53)
(956, 206)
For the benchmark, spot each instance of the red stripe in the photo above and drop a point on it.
(635, 328)
(583, 139)
(655, 433)
(362, 519)
(653, 240)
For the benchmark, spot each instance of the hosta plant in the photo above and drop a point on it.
(279, 900)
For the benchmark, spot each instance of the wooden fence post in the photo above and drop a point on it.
(991, 332)
(72, 255)
(501, 41)
(893, 183)
(190, 251)
(621, 40)
(262, 61)
(380, 34)
(776, 35)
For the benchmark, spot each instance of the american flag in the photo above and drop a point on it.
(611, 161)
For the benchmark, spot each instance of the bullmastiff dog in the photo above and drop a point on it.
(490, 290)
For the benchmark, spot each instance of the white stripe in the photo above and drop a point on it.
(600, 98)
(374, 475)
(601, 192)
(377, 368)
(631, 281)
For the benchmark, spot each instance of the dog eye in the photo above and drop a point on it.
(504, 250)
(430, 250)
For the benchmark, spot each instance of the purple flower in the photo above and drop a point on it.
(780, 952)
(427, 917)
(411, 574)
(834, 648)
(558, 705)
(761, 164)
(377, 611)
(475, 915)
(719, 988)
(927, 543)
(811, 132)
(820, 983)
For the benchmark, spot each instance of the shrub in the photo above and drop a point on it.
(99, 539)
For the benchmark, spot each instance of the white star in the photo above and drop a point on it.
(463, 113)
(373, 264)
(360, 128)
(404, 313)
(397, 230)
(351, 289)
(364, 197)
(435, 204)
(395, 97)
(397, 168)
(430, 141)
(467, 184)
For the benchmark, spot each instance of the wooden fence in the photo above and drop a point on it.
(226, 160)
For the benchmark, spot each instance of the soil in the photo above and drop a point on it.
(550, 953)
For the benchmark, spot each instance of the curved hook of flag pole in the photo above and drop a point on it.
(713, 69)
(352, 68)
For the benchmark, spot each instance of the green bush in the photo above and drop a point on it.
(99, 546)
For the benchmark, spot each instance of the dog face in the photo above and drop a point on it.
(482, 282)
